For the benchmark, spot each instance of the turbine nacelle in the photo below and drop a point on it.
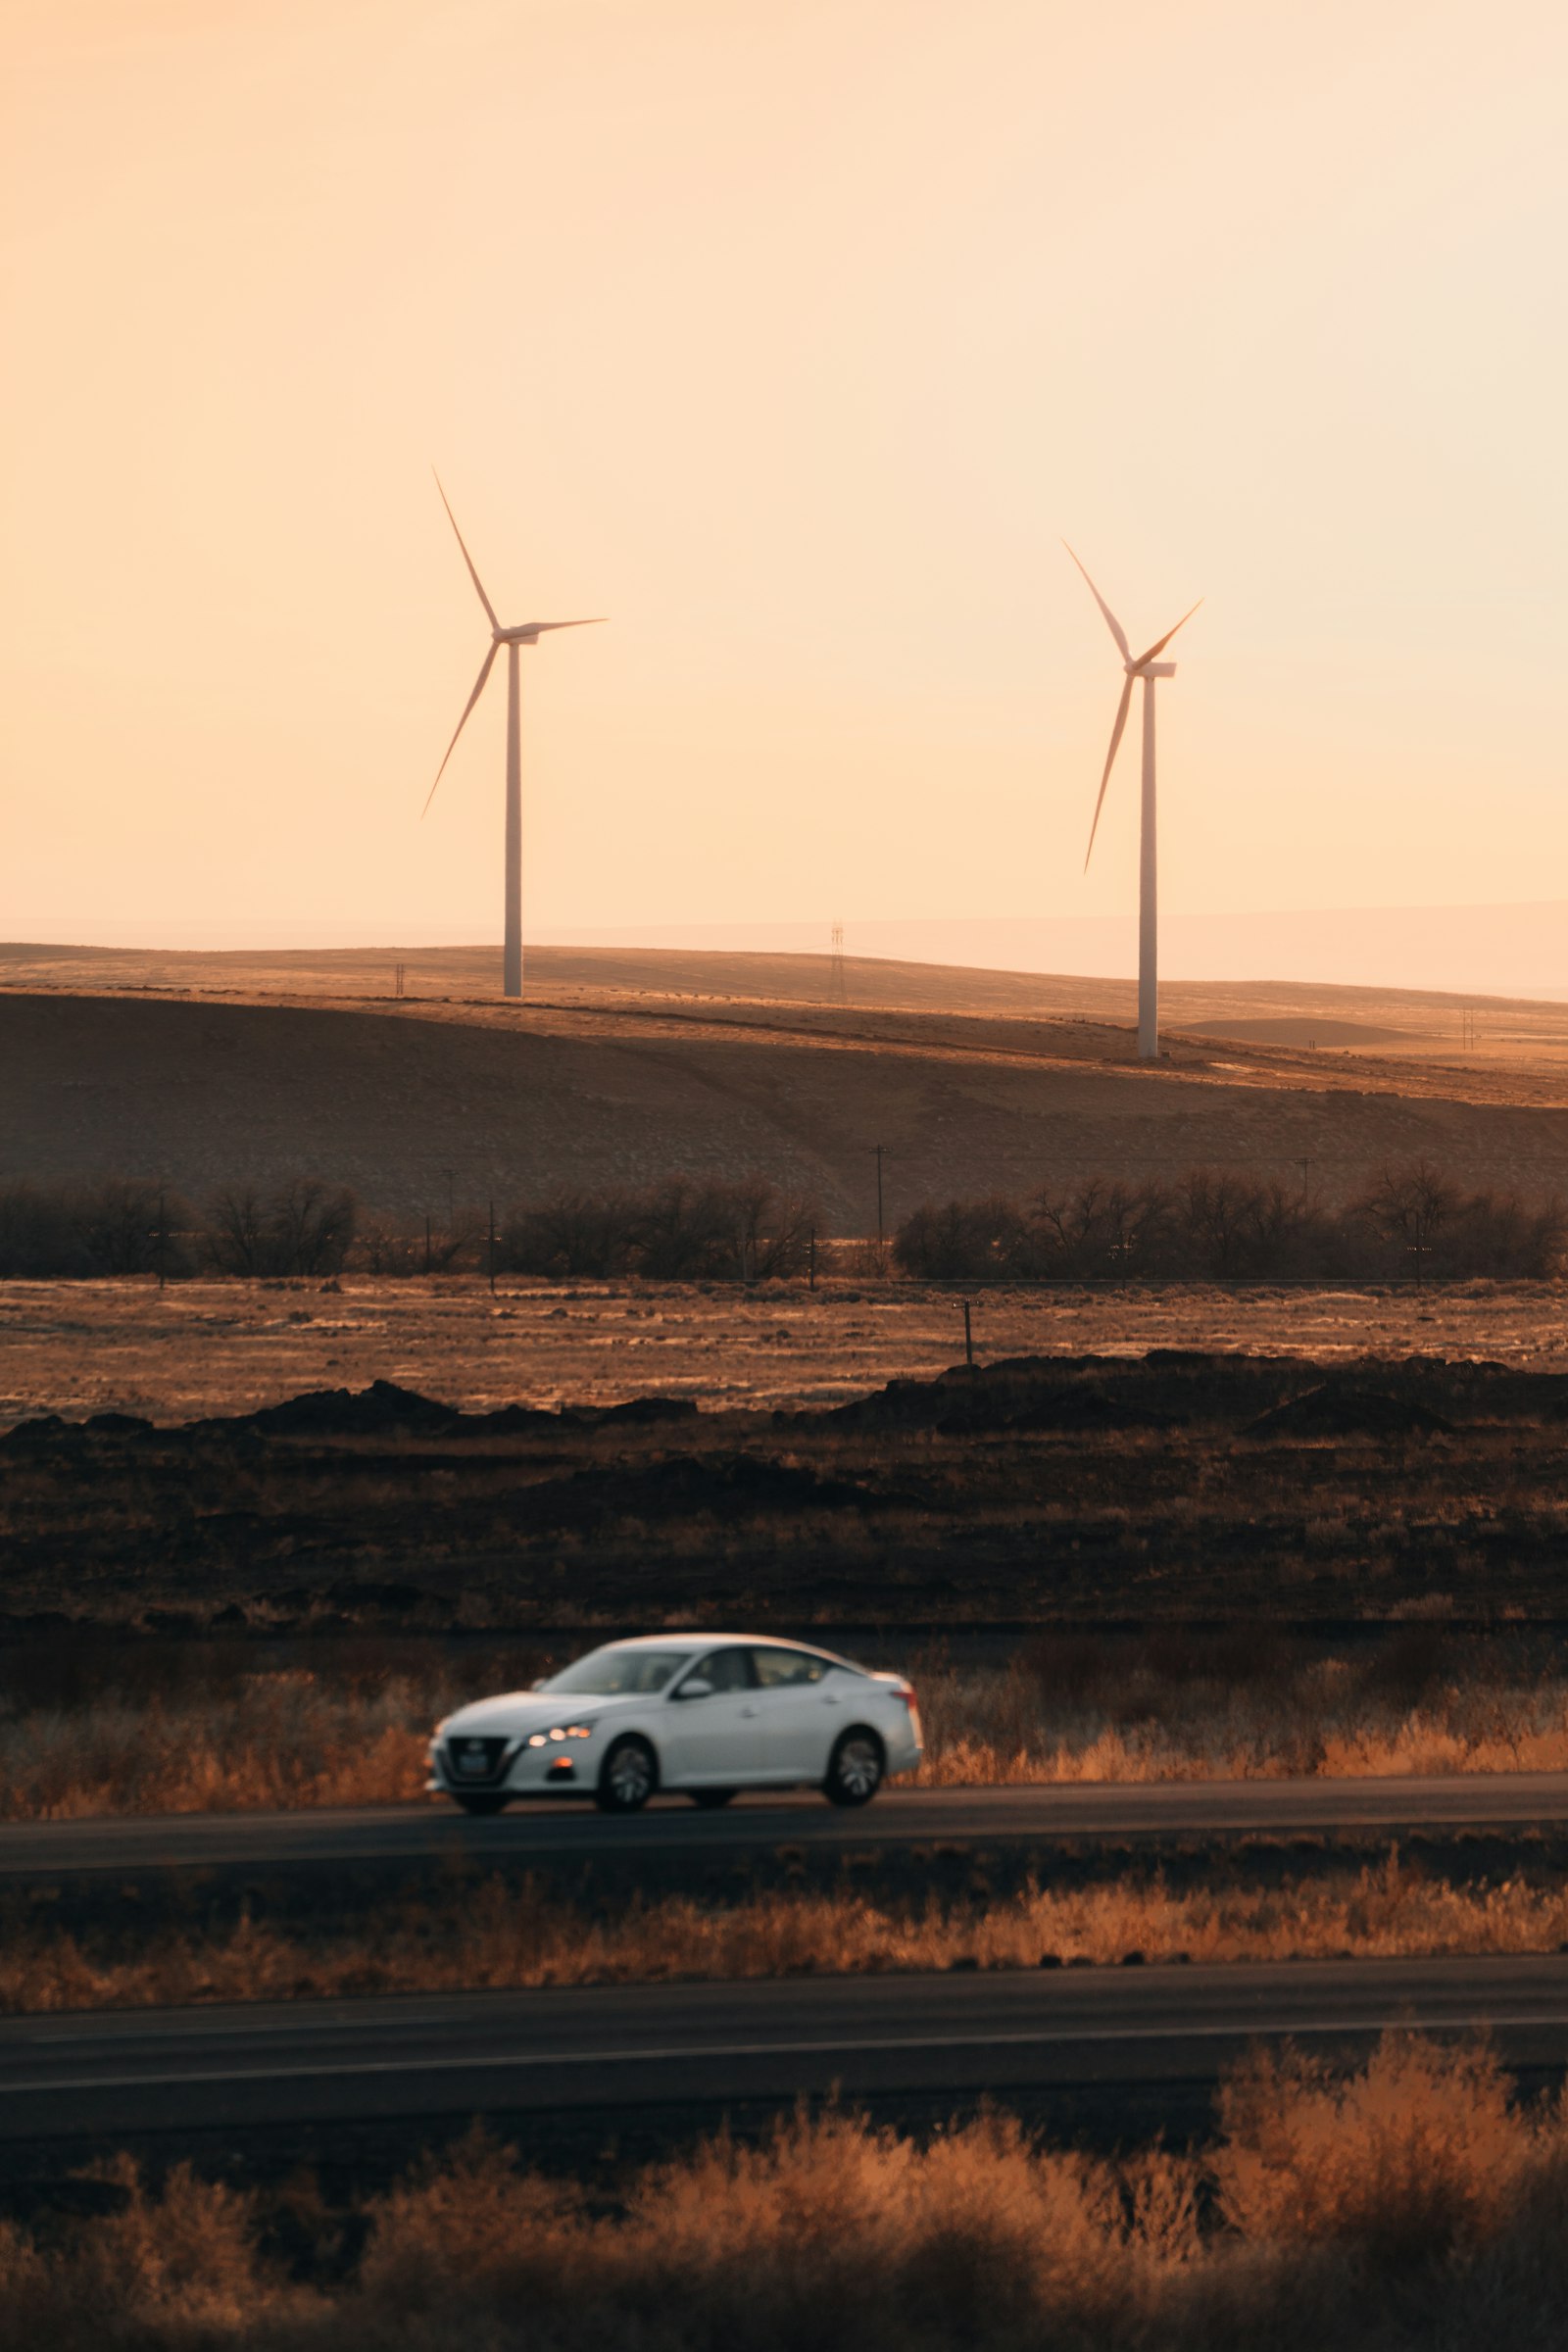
(531, 631)
(1141, 665)
(527, 632)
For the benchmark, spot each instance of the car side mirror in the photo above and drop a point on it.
(695, 1688)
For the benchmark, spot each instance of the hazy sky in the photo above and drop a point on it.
(792, 334)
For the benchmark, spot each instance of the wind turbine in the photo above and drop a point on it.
(1147, 668)
(528, 633)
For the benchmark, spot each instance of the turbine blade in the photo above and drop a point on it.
(540, 626)
(1111, 760)
(466, 557)
(1159, 647)
(479, 689)
(1111, 622)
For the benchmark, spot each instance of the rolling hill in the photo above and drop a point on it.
(626, 1065)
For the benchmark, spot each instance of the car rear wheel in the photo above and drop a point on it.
(482, 1804)
(709, 1800)
(855, 1768)
(628, 1779)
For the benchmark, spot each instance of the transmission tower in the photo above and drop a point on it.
(839, 990)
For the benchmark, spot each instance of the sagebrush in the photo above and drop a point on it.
(1406, 2204)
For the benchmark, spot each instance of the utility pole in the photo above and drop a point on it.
(398, 970)
(839, 995)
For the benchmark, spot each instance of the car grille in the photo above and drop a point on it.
(475, 1763)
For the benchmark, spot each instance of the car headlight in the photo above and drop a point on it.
(560, 1730)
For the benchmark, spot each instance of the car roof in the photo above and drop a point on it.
(703, 1637)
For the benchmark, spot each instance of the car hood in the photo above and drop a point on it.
(523, 1711)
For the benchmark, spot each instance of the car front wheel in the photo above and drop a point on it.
(628, 1779)
(854, 1769)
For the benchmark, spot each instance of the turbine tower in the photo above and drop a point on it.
(1147, 668)
(528, 632)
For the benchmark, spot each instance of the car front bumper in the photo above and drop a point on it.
(552, 1771)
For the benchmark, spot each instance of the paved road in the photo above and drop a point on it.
(412, 1833)
(712, 2045)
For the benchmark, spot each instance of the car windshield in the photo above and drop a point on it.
(611, 1673)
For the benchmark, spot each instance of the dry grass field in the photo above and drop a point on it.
(201, 1070)
(200, 1347)
(1405, 2204)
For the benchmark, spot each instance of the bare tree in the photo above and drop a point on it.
(312, 1226)
(126, 1227)
(775, 1229)
(678, 1231)
(1101, 1227)
(39, 1236)
(1220, 1216)
(235, 1237)
(570, 1233)
(304, 1228)
(962, 1240)
(1409, 1208)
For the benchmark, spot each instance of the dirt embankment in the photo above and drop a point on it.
(1175, 1487)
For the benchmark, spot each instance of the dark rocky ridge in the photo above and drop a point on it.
(1174, 1485)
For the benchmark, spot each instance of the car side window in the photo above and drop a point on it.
(726, 1669)
(788, 1669)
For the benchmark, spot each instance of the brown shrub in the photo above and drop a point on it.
(1345, 2210)
(1417, 2155)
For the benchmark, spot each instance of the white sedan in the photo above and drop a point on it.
(705, 1714)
